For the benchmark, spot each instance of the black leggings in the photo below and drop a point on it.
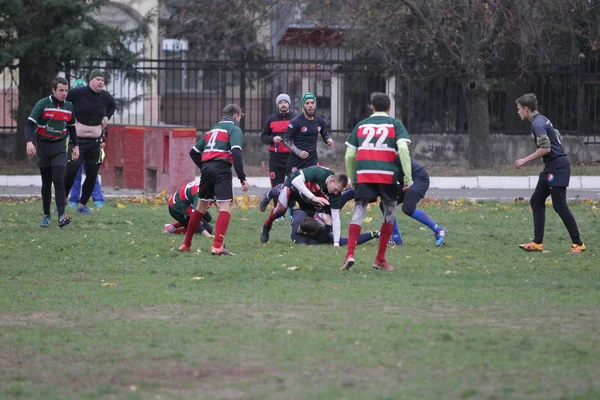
(559, 202)
(89, 151)
(56, 175)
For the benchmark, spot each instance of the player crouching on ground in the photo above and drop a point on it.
(181, 205)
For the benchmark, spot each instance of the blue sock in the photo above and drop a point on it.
(396, 230)
(423, 218)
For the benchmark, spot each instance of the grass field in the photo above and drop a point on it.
(107, 308)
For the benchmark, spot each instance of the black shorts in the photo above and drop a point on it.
(277, 164)
(557, 172)
(51, 154)
(420, 184)
(372, 191)
(216, 182)
(89, 151)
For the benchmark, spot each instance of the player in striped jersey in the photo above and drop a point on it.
(373, 147)
(218, 150)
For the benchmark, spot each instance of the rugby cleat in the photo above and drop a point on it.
(395, 240)
(221, 251)
(348, 263)
(169, 228)
(440, 237)
(264, 234)
(184, 247)
(577, 248)
(46, 221)
(64, 221)
(532, 246)
(264, 202)
(84, 210)
(382, 266)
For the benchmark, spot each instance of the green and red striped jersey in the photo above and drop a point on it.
(217, 143)
(51, 119)
(186, 198)
(375, 140)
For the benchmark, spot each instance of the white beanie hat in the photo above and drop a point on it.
(283, 96)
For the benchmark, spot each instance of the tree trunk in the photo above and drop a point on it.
(476, 101)
(34, 83)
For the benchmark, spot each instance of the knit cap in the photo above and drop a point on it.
(308, 95)
(96, 73)
(283, 96)
(79, 82)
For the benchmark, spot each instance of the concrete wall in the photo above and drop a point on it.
(430, 149)
(439, 149)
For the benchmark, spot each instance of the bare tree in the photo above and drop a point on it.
(456, 38)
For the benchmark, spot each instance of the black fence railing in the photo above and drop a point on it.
(182, 91)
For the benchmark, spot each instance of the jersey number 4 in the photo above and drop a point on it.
(381, 133)
(212, 140)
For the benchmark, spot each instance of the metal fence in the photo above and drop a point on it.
(182, 91)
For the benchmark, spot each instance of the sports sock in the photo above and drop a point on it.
(193, 224)
(221, 228)
(384, 237)
(353, 233)
(425, 219)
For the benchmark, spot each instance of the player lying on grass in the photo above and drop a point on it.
(316, 229)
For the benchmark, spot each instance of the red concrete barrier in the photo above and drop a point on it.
(151, 158)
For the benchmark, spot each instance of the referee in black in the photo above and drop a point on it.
(94, 106)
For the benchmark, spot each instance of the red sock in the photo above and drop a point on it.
(176, 224)
(192, 227)
(221, 228)
(384, 237)
(353, 234)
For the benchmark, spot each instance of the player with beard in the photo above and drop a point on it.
(273, 137)
(302, 133)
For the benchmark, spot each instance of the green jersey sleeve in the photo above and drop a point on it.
(37, 112)
(236, 138)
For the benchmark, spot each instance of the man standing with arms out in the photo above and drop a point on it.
(373, 147)
(50, 120)
(94, 106)
(302, 133)
(218, 149)
(273, 136)
(553, 180)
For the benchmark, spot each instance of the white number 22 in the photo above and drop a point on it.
(381, 133)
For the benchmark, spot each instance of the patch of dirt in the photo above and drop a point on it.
(30, 320)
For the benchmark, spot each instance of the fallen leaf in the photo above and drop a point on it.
(119, 205)
(129, 222)
(368, 219)
(198, 278)
(448, 257)
(294, 268)
(11, 220)
(109, 284)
